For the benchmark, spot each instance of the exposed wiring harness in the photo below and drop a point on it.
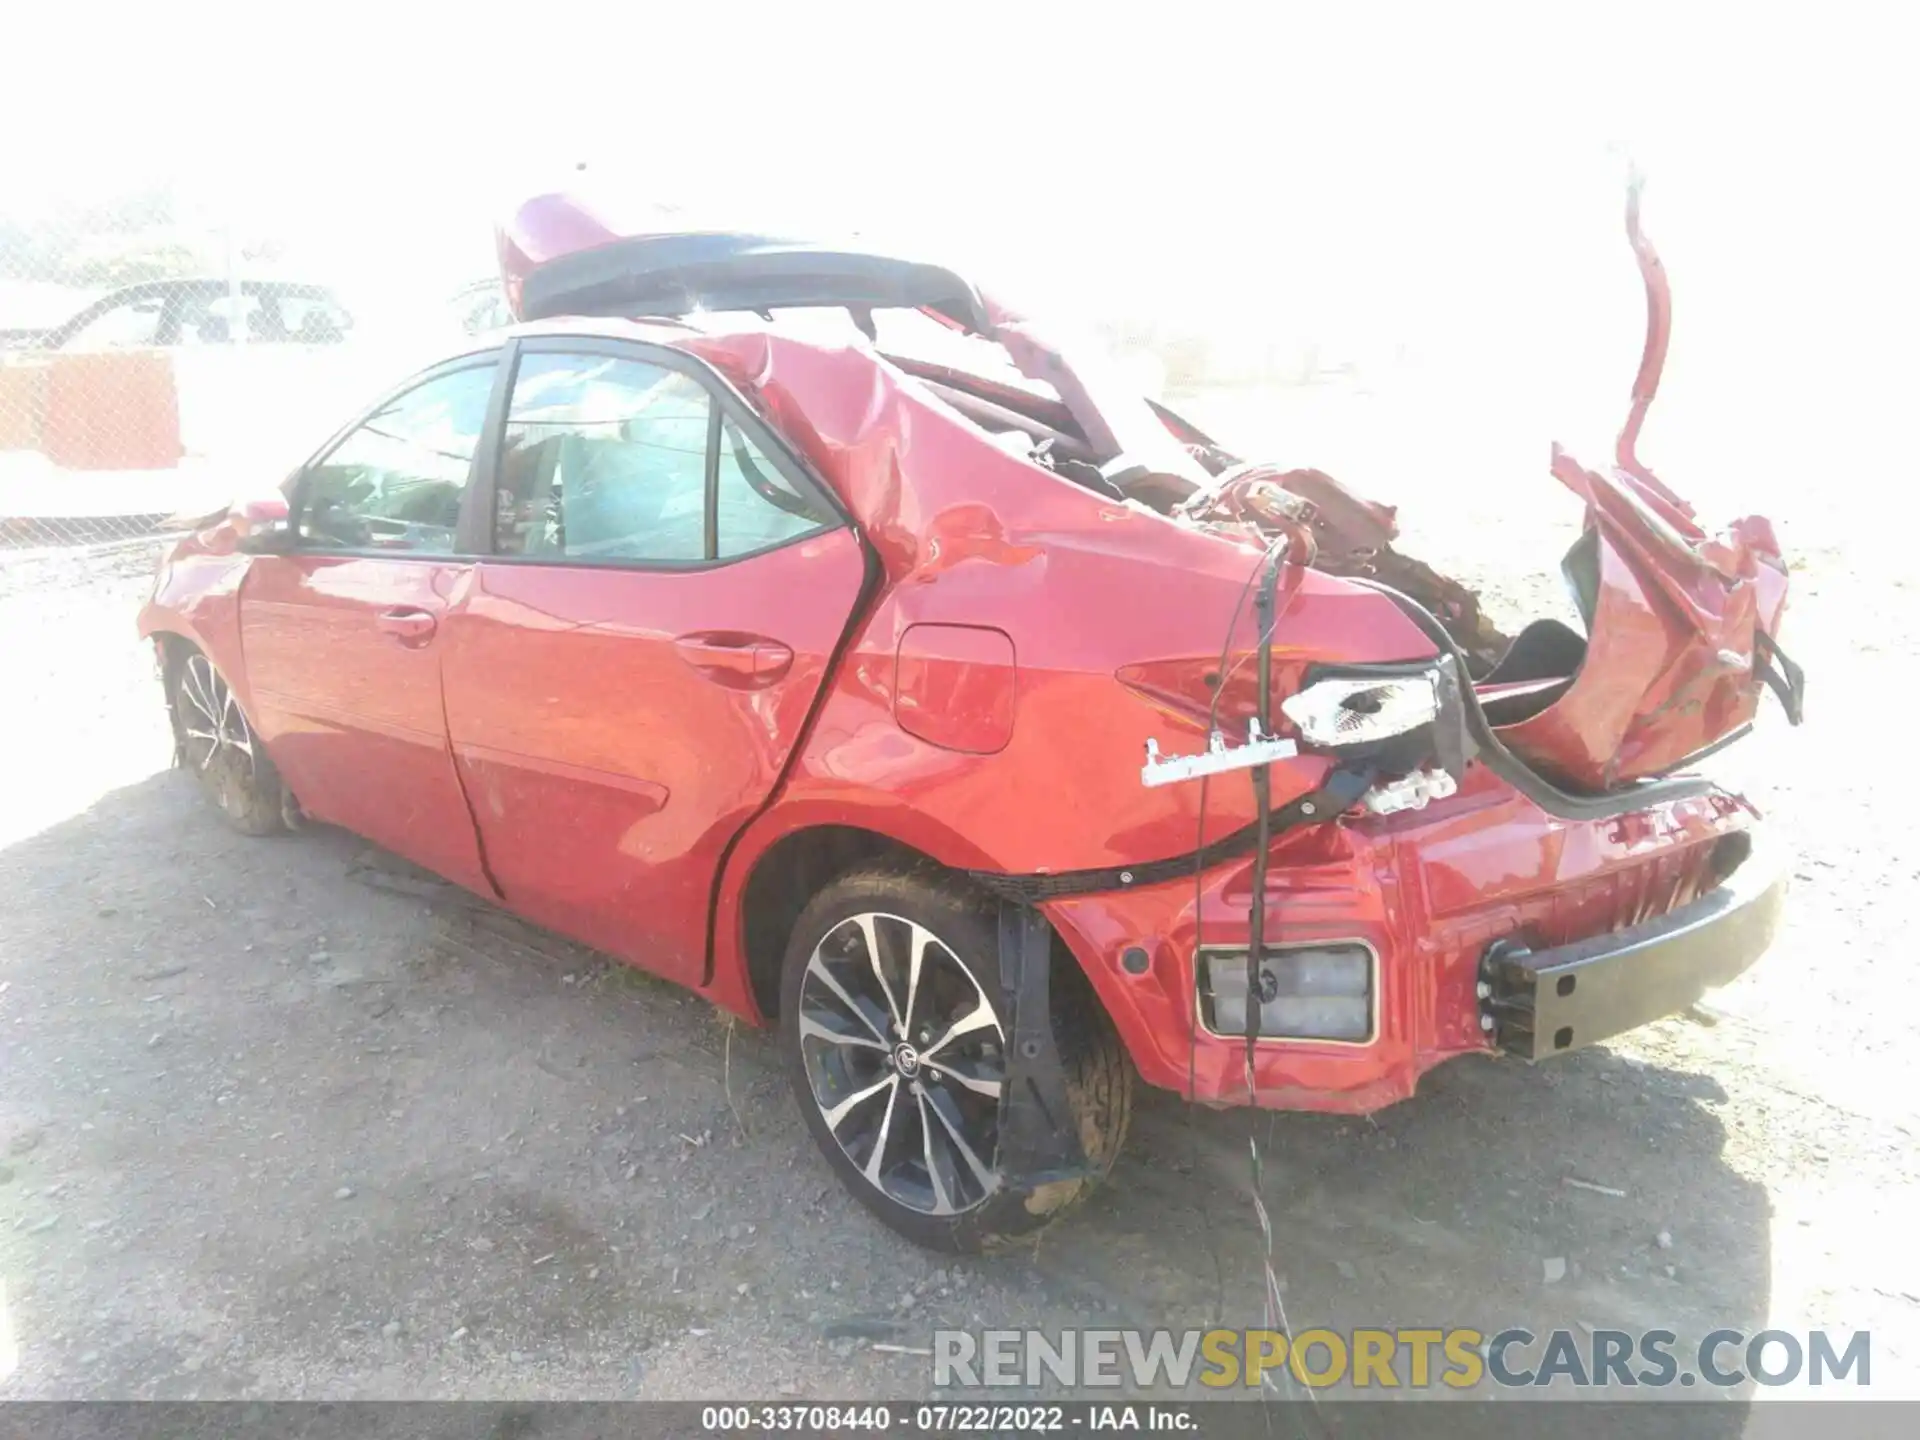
(1266, 573)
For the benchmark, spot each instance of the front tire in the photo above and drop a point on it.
(895, 1039)
(214, 743)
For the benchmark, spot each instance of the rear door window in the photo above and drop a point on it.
(610, 460)
(603, 459)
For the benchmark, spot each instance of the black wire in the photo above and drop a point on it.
(1199, 894)
(1199, 871)
(1267, 616)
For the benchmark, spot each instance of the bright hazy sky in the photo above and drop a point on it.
(1442, 181)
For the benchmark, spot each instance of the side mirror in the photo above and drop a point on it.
(262, 512)
(265, 542)
(254, 527)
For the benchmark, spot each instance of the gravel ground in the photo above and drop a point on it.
(275, 1124)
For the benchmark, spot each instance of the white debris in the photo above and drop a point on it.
(1595, 1189)
(1409, 792)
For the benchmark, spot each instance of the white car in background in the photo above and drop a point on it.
(197, 311)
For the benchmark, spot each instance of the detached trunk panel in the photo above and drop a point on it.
(1674, 622)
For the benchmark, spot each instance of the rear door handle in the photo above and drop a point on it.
(736, 660)
(408, 625)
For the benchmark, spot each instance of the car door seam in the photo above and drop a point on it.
(460, 783)
(871, 585)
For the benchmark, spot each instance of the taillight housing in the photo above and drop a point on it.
(1346, 711)
(1306, 992)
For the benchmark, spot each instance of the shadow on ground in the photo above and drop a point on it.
(275, 1129)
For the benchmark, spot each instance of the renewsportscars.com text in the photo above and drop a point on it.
(1413, 1359)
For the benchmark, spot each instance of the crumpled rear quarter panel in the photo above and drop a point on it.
(1082, 586)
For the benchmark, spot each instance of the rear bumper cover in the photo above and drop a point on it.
(1546, 1002)
(1431, 892)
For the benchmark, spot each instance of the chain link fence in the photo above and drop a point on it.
(53, 569)
(161, 357)
(34, 533)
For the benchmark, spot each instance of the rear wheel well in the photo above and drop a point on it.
(799, 866)
(794, 870)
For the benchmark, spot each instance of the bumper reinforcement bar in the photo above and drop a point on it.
(1547, 1002)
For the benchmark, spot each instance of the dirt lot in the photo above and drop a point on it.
(269, 1128)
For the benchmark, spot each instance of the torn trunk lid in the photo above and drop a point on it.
(1680, 623)
(1680, 629)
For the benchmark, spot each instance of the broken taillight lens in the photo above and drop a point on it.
(1342, 712)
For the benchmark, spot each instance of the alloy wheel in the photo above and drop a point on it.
(906, 1060)
(212, 727)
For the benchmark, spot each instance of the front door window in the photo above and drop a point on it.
(396, 481)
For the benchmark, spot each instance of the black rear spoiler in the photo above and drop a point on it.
(674, 275)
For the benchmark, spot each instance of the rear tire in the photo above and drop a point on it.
(907, 1113)
(215, 744)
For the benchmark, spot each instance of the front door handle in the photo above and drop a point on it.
(408, 625)
(736, 660)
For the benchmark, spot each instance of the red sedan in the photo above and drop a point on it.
(804, 626)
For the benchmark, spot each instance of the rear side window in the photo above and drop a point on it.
(608, 460)
(395, 481)
(757, 506)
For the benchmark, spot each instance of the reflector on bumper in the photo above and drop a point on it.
(1309, 992)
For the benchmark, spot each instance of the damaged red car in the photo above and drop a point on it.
(807, 627)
